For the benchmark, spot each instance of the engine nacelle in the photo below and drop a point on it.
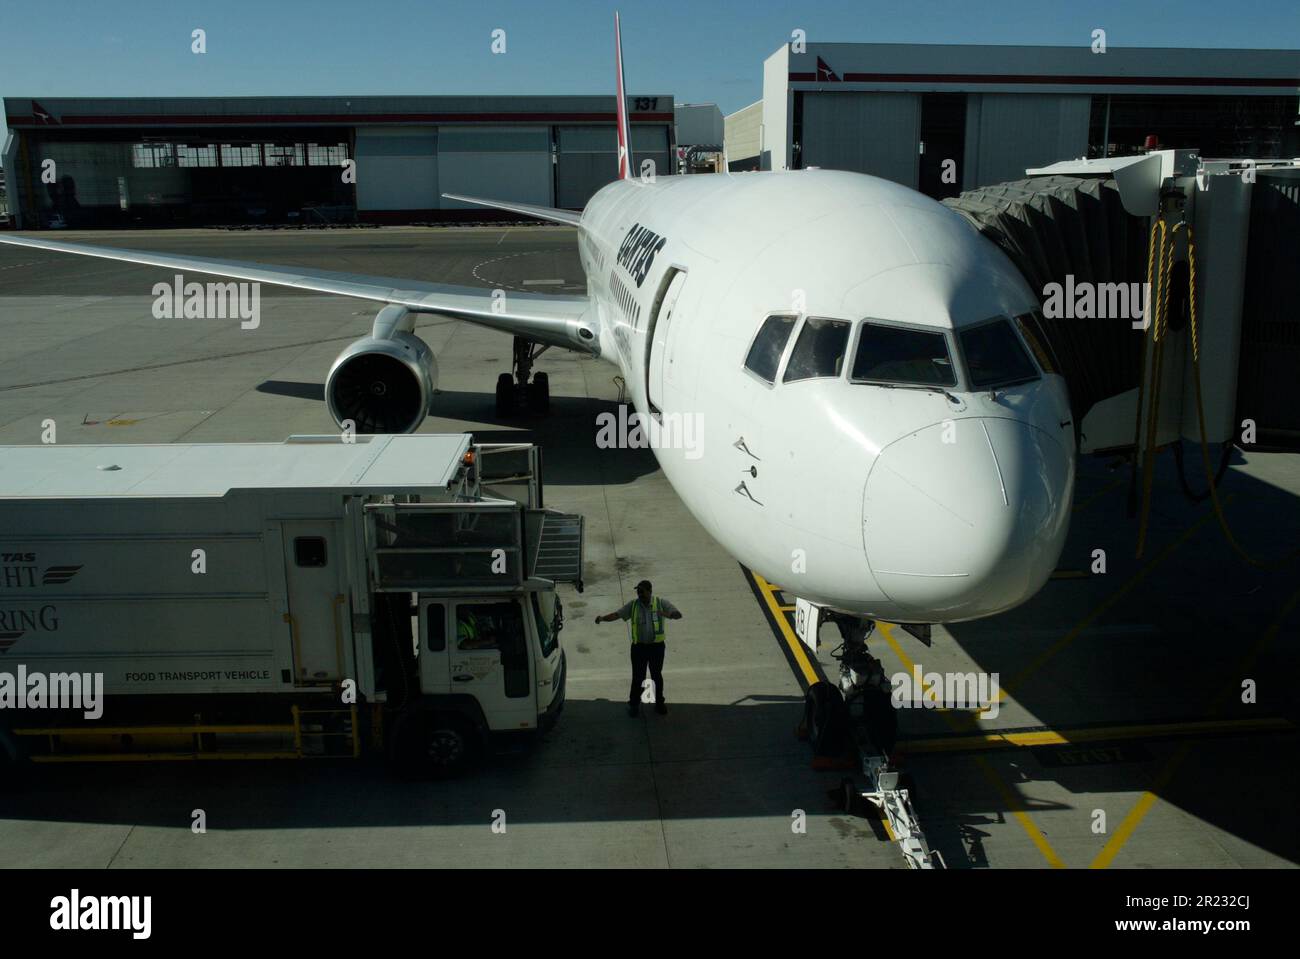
(383, 384)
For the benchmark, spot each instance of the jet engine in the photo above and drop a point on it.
(383, 382)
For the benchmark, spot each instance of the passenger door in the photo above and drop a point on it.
(660, 328)
(491, 659)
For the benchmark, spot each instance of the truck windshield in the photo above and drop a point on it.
(544, 612)
(892, 354)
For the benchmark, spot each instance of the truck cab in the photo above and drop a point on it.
(487, 662)
(502, 649)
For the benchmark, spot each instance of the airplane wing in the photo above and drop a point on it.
(563, 321)
(567, 217)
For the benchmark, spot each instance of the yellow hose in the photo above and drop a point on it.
(1162, 253)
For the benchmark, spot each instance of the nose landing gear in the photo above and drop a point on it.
(523, 390)
(859, 715)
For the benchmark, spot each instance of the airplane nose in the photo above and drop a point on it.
(966, 518)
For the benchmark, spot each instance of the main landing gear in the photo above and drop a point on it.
(515, 392)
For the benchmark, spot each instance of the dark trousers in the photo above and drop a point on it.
(643, 655)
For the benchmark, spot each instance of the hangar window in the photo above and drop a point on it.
(895, 354)
(819, 351)
(765, 354)
(285, 154)
(326, 154)
(994, 356)
(196, 156)
(241, 154)
(150, 155)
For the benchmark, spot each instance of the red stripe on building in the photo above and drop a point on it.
(344, 119)
(977, 78)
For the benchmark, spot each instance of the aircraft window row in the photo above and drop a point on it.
(626, 301)
(819, 350)
(893, 354)
(994, 356)
(769, 346)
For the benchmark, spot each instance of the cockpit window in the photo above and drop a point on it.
(891, 354)
(1031, 326)
(994, 356)
(819, 351)
(765, 354)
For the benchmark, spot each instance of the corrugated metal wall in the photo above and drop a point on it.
(397, 168)
(1018, 131)
(875, 133)
(504, 163)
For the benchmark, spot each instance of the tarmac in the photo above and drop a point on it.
(1120, 740)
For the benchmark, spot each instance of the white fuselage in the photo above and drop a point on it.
(903, 503)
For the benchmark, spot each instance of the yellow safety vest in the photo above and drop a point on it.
(658, 620)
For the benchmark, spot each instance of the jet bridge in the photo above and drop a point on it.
(1080, 232)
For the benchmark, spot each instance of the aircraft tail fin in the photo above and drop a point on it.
(624, 138)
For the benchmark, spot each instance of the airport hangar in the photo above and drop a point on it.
(899, 110)
(216, 160)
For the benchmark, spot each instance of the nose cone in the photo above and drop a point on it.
(966, 518)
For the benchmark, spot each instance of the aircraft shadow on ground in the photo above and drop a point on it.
(1170, 650)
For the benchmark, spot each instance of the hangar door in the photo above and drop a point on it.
(503, 163)
(875, 133)
(397, 168)
(588, 158)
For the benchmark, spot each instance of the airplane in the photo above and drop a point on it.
(878, 429)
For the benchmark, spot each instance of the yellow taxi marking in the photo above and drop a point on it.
(1066, 737)
(1148, 799)
(1042, 658)
(791, 640)
(1012, 801)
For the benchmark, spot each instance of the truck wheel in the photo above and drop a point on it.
(438, 744)
(450, 744)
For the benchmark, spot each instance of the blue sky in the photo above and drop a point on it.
(699, 51)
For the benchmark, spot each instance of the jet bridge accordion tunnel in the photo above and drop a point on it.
(1088, 224)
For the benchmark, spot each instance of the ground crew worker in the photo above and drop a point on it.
(471, 634)
(645, 616)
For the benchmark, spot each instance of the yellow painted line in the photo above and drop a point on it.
(800, 655)
(1009, 798)
(1017, 809)
(791, 640)
(1148, 799)
(1139, 810)
(1066, 737)
(1042, 658)
(148, 730)
(158, 757)
(1080, 507)
(786, 609)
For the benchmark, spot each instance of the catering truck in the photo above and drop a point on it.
(324, 596)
